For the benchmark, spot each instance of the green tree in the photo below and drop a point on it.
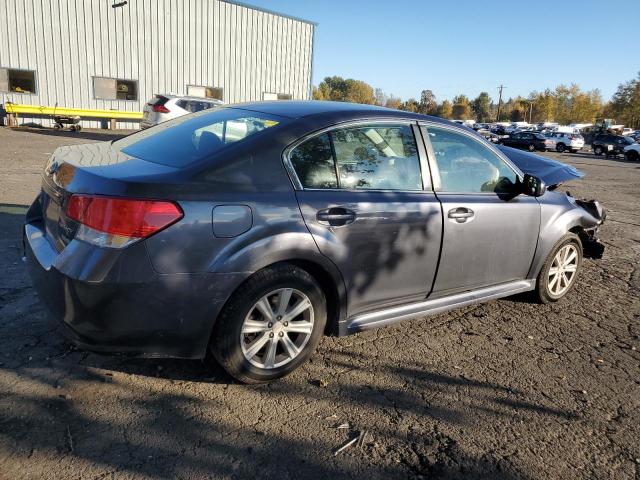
(428, 104)
(410, 105)
(341, 90)
(461, 107)
(625, 103)
(482, 107)
(445, 110)
(393, 102)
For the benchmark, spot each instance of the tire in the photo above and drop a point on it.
(574, 150)
(598, 150)
(548, 291)
(233, 349)
(560, 147)
(632, 156)
(531, 147)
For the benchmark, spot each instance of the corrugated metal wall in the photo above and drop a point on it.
(163, 44)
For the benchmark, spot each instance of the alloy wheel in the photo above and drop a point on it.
(277, 328)
(563, 270)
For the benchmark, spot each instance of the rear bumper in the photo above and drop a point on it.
(112, 301)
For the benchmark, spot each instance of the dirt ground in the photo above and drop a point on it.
(508, 389)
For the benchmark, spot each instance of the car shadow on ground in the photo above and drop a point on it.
(172, 418)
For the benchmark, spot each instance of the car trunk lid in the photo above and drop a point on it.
(96, 169)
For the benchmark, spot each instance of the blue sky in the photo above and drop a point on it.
(451, 47)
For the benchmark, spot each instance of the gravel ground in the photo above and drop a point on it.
(507, 389)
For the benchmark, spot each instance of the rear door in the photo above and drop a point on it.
(490, 235)
(365, 195)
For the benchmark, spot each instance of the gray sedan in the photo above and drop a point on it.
(249, 231)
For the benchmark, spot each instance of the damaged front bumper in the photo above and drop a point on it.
(591, 245)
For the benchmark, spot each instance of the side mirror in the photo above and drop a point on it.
(533, 186)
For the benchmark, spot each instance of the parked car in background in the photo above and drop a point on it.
(568, 141)
(627, 131)
(163, 107)
(609, 144)
(253, 248)
(529, 140)
(632, 152)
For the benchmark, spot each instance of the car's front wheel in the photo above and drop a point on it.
(560, 147)
(270, 325)
(560, 270)
(632, 156)
(598, 150)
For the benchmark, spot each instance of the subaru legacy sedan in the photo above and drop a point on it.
(250, 231)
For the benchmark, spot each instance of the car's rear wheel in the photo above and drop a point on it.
(560, 270)
(574, 150)
(560, 147)
(270, 325)
(632, 156)
(532, 147)
(598, 150)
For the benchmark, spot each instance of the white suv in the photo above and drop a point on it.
(163, 107)
(568, 141)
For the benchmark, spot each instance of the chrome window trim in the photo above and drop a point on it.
(297, 184)
(424, 126)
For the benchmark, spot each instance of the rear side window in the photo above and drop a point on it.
(376, 157)
(189, 138)
(313, 162)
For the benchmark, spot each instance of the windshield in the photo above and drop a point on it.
(186, 139)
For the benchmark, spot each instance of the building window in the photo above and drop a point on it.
(115, 89)
(207, 92)
(276, 96)
(18, 81)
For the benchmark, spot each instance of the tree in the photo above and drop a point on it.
(380, 96)
(410, 105)
(341, 90)
(445, 110)
(461, 107)
(625, 103)
(393, 102)
(482, 107)
(428, 104)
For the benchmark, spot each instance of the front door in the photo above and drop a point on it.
(371, 211)
(490, 235)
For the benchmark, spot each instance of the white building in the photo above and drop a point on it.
(112, 54)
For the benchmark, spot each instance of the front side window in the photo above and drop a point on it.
(375, 157)
(467, 166)
(115, 89)
(189, 138)
(17, 81)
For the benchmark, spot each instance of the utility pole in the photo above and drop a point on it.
(499, 102)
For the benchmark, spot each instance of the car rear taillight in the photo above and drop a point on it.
(118, 222)
(160, 109)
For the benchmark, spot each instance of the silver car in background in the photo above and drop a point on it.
(163, 107)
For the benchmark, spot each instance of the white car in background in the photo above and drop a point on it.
(163, 107)
(632, 152)
(568, 141)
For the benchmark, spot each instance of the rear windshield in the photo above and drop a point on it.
(190, 138)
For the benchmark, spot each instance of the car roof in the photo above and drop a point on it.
(313, 108)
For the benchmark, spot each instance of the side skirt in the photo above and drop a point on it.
(388, 316)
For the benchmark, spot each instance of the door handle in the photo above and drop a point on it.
(460, 214)
(335, 216)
